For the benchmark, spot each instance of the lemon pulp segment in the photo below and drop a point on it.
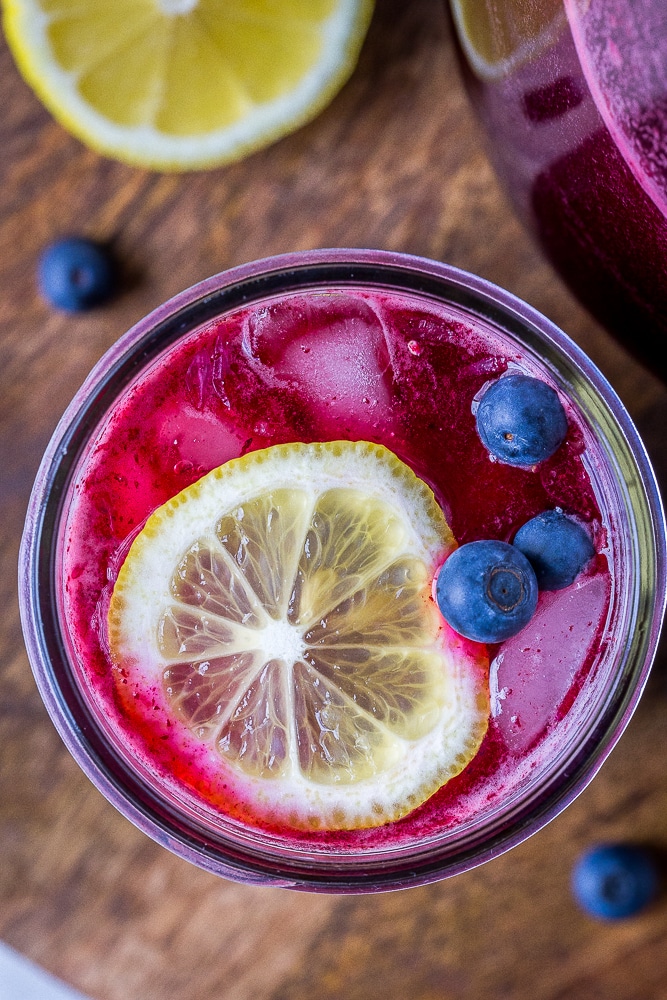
(180, 84)
(283, 605)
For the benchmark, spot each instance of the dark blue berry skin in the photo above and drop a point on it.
(75, 274)
(614, 881)
(556, 547)
(487, 591)
(521, 420)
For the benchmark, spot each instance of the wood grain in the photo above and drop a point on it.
(397, 162)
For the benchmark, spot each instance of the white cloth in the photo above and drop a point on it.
(21, 979)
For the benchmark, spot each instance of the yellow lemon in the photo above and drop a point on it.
(499, 35)
(282, 605)
(184, 84)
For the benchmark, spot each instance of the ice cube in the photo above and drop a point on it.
(535, 671)
(205, 377)
(198, 439)
(331, 349)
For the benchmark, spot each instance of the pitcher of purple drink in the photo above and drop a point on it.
(573, 97)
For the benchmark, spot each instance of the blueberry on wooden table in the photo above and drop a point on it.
(487, 591)
(76, 274)
(521, 420)
(556, 546)
(615, 881)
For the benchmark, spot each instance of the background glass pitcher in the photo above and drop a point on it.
(573, 96)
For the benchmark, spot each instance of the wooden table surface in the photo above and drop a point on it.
(396, 162)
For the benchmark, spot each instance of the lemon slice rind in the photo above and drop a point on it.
(341, 34)
(409, 760)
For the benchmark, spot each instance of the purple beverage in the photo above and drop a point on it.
(573, 94)
(384, 356)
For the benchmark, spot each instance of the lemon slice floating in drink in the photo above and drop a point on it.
(282, 607)
(183, 84)
(499, 35)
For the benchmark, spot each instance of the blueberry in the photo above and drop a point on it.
(556, 547)
(75, 274)
(521, 420)
(487, 591)
(613, 881)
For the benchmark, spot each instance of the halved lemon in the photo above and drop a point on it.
(280, 611)
(499, 35)
(184, 84)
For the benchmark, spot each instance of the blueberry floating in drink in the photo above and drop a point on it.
(556, 546)
(76, 274)
(615, 881)
(521, 420)
(487, 591)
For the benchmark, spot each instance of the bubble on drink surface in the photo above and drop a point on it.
(331, 348)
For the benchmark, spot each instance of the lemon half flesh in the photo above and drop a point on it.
(184, 84)
(282, 606)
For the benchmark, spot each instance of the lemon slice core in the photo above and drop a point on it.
(282, 607)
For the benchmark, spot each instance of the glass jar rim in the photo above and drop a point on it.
(245, 859)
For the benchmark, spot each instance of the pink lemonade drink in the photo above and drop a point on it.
(351, 346)
(573, 95)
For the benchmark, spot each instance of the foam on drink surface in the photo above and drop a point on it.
(323, 366)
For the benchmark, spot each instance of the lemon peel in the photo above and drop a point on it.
(184, 84)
